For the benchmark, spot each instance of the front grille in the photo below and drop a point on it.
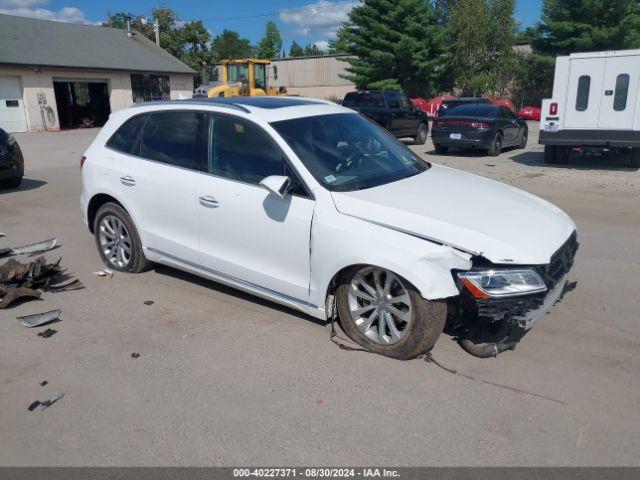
(561, 262)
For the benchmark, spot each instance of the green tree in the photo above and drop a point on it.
(296, 50)
(340, 44)
(229, 44)
(395, 44)
(271, 44)
(569, 26)
(482, 58)
(312, 50)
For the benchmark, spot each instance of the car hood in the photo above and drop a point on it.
(467, 212)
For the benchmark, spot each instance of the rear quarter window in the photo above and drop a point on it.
(127, 137)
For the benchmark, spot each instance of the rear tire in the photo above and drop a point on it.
(11, 183)
(496, 145)
(441, 149)
(550, 154)
(562, 155)
(635, 157)
(421, 135)
(416, 337)
(113, 225)
(524, 140)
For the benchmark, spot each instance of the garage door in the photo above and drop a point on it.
(12, 114)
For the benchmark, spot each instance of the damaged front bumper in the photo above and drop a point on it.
(522, 311)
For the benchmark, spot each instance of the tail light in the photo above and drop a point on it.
(462, 123)
(480, 125)
(82, 160)
(553, 109)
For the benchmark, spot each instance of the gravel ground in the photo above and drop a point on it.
(224, 378)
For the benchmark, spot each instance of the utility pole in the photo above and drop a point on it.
(156, 30)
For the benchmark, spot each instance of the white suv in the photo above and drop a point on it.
(311, 205)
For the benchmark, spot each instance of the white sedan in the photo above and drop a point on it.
(310, 205)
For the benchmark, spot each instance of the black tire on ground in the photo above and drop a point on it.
(496, 145)
(562, 155)
(428, 319)
(441, 149)
(421, 134)
(11, 182)
(524, 139)
(635, 157)
(550, 154)
(138, 262)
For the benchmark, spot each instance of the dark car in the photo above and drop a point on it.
(393, 110)
(11, 161)
(487, 127)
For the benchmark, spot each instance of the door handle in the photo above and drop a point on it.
(208, 201)
(128, 181)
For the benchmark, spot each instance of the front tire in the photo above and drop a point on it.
(385, 314)
(11, 183)
(421, 135)
(118, 241)
(524, 140)
(635, 158)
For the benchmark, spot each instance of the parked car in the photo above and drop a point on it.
(529, 113)
(11, 161)
(502, 102)
(432, 106)
(487, 127)
(456, 102)
(594, 108)
(393, 111)
(310, 205)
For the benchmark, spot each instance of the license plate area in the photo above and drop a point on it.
(455, 136)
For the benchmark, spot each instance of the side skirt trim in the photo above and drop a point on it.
(231, 278)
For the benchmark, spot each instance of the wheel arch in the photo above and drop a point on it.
(98, 201)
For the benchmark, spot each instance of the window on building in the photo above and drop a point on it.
(176, 138)
(147, 87)
(127, 137)
(621, 93)
(582, 97)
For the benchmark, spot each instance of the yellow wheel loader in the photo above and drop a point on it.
(244, 78)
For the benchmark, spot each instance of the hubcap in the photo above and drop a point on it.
(115, 241)
(423, 132)
(380, 305)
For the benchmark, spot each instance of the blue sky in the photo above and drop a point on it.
(304, 26)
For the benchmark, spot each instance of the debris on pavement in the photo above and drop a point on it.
(104, 273)
(135, 355)
(46, 404)
(149, 302)
(490, 164)
(30, 279)
(31, 249)
(2, 235)
(49, 332)
(44, 383)
(38, 319)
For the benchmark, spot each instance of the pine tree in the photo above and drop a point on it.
(340, 44)
(296, 50)
(570, 26)
(312, 50)
(395, 44)
(271, 44)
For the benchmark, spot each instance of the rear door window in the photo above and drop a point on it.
(177, 138)
(392, 99)
(127, 137)
(621, 93)
(582, 96)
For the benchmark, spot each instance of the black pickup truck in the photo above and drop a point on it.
(393, 110)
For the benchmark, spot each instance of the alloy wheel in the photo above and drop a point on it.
(380, 305)
(115, 241)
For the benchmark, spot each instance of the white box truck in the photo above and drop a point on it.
(595, 106)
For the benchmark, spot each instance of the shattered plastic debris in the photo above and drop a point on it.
(2, 235)
(38, 319)
(49, 332)
(46, 404)
(104, 273)
(32, 248)
(43, 383)
(28, 279)
(135, 355)
(148, 302)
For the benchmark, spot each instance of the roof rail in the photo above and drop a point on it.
(193, 101)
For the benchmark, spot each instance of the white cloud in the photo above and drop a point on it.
(322, 45)
(321, 18)
(30, 8)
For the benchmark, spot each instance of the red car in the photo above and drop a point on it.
(530, 113)
(430, 106)
(503, 103)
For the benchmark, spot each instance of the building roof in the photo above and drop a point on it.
(27, 41)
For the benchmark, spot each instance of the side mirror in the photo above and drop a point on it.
(276, 184)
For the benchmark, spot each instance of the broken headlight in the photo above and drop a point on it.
(502, 283)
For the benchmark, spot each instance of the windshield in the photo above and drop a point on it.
(345, 152)
(237, 72)
(260, 75)
(470, 111)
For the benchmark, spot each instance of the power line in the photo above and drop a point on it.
(293, 10)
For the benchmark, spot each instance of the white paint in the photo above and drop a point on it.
(12, 116)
